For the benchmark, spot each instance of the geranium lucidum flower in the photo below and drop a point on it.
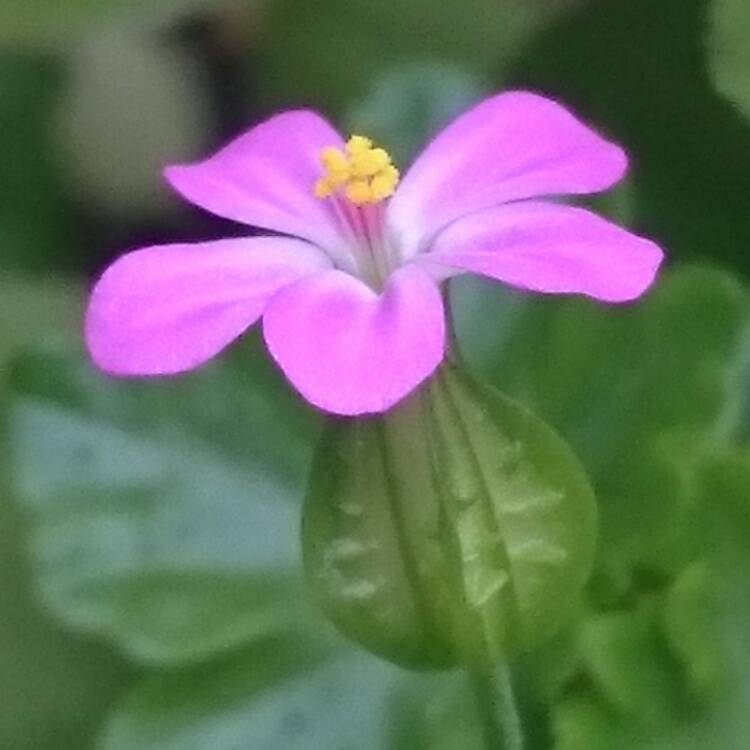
(349, 287)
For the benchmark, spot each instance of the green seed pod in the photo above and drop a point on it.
(455, 528)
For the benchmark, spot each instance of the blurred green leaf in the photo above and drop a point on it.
(56, 685)
(273, 697)
(435, 711)
(673, 671)
(724, 509)
(164, 514)
(329, 53)
(409, 104)
(589, 366)
(283, 695)
(630, 692)
(617, 203)
(729, 51)
(582, 723)
(623, 654)
(636, 70)
(725, 518)
(640, 391)
(692, 616)
(34, 310)
(544, 673)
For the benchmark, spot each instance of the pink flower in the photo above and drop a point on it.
(349, 287)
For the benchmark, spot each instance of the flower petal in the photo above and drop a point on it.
(548, 248)
(266, 178)
(351, 351)
(512, 146)
(170, 308)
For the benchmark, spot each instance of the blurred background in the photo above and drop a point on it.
(150, 585)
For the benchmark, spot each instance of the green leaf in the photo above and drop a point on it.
(629, 692)
(330, 53)
(724, 508)
(725, 517)
(688, 148)
(692, 613)
(164, 514)
(626, 387)
(436, 711)
(289, 695)
(624, 656)
(276, 696)
(729, 52)
(406, 106)
(673, 671)
(634, 366)
(581, 723)
(455, 528)
(56, 685)
(545, 672)
(34, 310)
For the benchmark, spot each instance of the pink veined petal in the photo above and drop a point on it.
(512, 146)
(170, 308)
(351, 351)
(266, 177)
(548, 248)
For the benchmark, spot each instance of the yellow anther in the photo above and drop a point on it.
(366, 174)
(323, 188)
(369, 163)
(358, 191)
(336, 163)
(357, 144)
(384, 184)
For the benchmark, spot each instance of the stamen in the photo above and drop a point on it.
(361, 172)
(357, 144)
(358, 192)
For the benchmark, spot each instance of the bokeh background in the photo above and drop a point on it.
(150, 584)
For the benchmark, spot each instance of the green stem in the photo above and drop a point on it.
(491, 683)
(496, 707)
(452, 348)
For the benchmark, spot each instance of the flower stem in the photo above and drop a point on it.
(496, 707)
(490, 681)
(452, 347)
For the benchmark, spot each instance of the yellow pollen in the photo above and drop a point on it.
(364, 173)
(383, 184)
(358, 191)
(324, 189)
(336, 164)
(369, 163)
(358, 144)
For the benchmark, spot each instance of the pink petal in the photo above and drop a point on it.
(266, 177)
(548, 248)
(167, 309)
(351, 351)
(512, 146)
